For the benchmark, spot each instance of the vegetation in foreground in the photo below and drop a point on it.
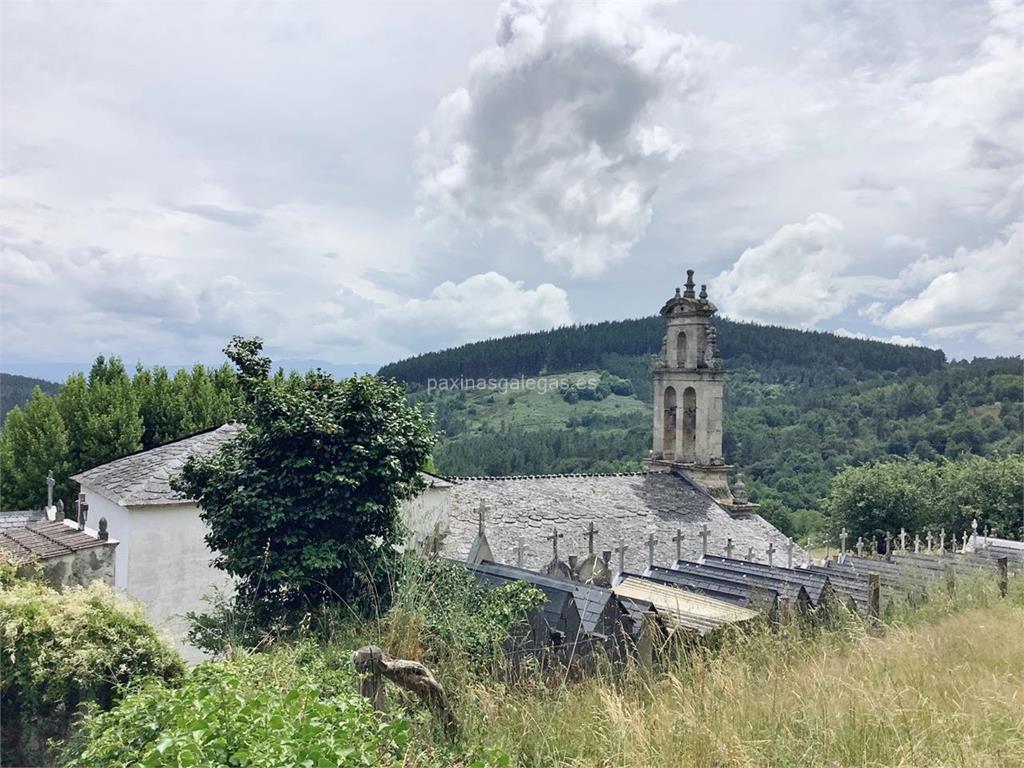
(940, 684)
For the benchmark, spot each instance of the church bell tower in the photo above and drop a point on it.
(689, 384)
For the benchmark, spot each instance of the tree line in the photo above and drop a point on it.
(100, 416)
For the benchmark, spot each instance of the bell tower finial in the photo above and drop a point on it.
(688, 293)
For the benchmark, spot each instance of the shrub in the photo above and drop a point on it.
(261, 710)
(66, 649)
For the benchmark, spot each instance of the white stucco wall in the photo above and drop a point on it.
(419, 514)
(118, 526)
(162, 561)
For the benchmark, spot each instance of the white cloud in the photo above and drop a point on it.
(479, 307)
(977, 291)
(557, 136)
(791, 278)
(903, 341)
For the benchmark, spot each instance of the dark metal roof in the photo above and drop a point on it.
(790, 589)
(787, 582)
(44, 540)
(724, 589)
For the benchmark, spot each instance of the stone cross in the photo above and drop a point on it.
(621, 552)
(481, 514)
(81, 511)
(974, 533)
(942, 541)
(963, 542)
(591, 533)
(728, 548)
(770, 551)
(930, 540)
(750, 554)
(703, 540)
(50, 482)
(553, 538)
(903, 539)
(843, 535)
(888, 544)
(789, 553)
(860, 546)
(917, 542)
(678, 539)
(519, 551)
(651, 542)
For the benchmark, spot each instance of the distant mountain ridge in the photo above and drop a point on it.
(777, 353)
(17, 390)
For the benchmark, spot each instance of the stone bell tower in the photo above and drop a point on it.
(689, 384)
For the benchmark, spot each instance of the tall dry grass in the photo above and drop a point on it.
(941, 686)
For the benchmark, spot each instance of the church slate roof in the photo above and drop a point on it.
(143, 478)
(625, 508)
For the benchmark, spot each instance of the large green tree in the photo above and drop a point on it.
(33, 443)
(300, 501)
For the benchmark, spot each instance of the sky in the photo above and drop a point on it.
(356, 183)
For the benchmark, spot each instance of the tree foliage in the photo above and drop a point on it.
(33, 442)
(62, 650)
(295, 502)
(920, 495)
(95, 418)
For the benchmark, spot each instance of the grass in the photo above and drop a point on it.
(942, 686)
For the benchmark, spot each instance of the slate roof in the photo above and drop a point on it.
(46, 540)
(623, 507)
(142, 478)
(19, 518)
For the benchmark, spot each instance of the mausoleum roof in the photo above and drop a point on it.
(41, 541)
(144, 478)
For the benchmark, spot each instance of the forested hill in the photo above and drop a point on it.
(16, 390)
(778, 354)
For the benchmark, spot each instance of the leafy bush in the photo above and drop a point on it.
(262, 710)
(66, 649)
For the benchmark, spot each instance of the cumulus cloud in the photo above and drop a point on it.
(979, 291)
(792, 278)
(556, 135)
(902, 341)
(479, 307)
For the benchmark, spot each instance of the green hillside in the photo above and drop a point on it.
(16, 390)
(799, 406)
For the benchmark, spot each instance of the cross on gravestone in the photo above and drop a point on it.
(553, 538)
(888, 543)
(621, 552)
(770, 551)
(917, 543)
(963, 542)
(843, 535)
(903, 539)
(860, 546)
(703, 540)
(481, 515)
(81, 511)
(930, 540)
(678, 539)
(519, 550)
(651, 542)
(50, 482)
(750, 554)
(974, 529)
(789, 553)
(942, 541)
(591, 533)
(728, 548)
